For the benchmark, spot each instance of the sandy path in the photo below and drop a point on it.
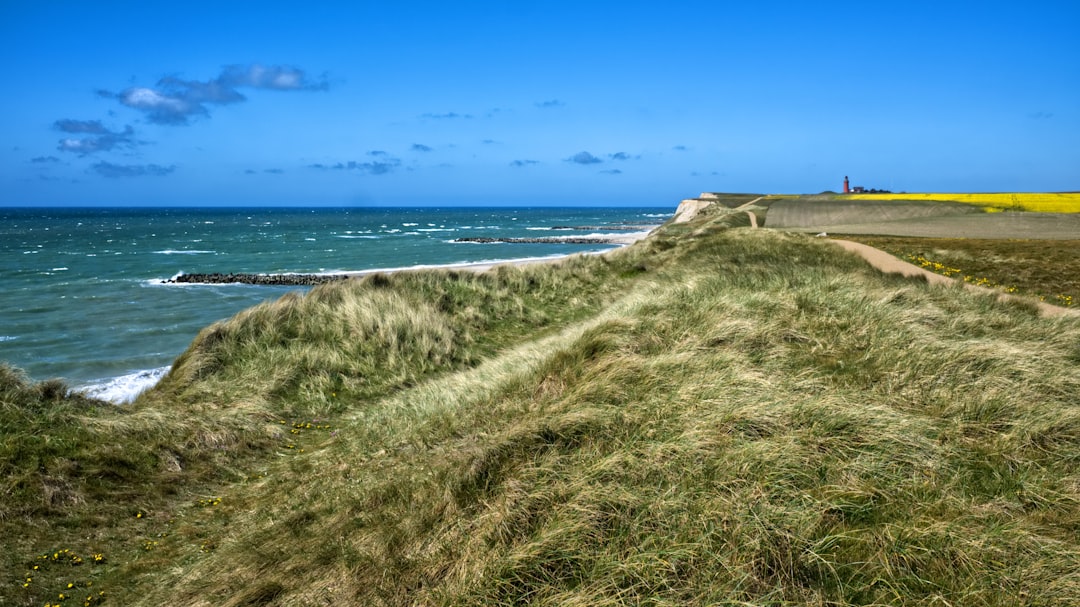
(888, 264)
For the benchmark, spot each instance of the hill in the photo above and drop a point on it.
(714, 415)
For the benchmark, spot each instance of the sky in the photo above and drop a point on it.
(601, 103)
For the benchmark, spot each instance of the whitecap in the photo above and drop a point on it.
(125, 388)
(8, 338)
(184, 252)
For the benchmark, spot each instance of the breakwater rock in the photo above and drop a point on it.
(608, 228)
(548, 240)
(288, 280)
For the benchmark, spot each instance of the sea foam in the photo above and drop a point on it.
(122, 390)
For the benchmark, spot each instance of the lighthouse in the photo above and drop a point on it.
(847, 190)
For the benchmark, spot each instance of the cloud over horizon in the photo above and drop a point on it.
(116, 171)
(524, 163)
(381, 167)
(447, 116)
(172, 101)
(584, 158)
(102, 141)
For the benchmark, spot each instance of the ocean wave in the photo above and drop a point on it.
(657, 214)
(436, 229)
(354, 236)
(125, 388)
(8, 338)
(185, 252)
(444, 266)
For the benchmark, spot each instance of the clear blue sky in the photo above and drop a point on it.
(554, 103)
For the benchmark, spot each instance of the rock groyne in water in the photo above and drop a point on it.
(609, 228)
(541, 240)
(288, 280)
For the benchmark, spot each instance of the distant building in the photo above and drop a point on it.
(861, 190)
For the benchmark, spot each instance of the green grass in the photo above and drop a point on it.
(712, 416)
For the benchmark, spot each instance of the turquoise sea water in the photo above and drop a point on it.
(82, 295)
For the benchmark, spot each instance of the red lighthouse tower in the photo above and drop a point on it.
(847, 190)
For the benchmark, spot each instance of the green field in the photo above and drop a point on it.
(715, 415)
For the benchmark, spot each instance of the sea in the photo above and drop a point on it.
(84, 294)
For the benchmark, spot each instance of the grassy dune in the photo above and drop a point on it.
(712, 416)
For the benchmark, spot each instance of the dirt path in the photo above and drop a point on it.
(891, 265)
(746, 204)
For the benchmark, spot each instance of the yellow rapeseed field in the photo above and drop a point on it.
(1062, 202)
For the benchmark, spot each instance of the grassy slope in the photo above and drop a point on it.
(1043, 268)
(713, 415)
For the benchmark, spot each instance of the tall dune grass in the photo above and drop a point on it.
(713, 416)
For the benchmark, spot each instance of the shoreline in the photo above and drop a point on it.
(118, 328)
(123, 389)
(301, 279)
